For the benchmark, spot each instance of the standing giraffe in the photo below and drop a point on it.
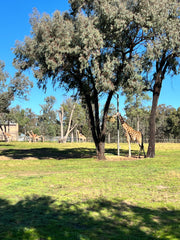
(81, 136)
(7, 136)
(30, 136)
(132, 135)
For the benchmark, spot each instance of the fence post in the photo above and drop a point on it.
(118, 147)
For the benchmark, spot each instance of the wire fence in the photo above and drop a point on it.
(90, 139)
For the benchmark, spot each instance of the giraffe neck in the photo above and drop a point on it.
(123, 123)
(121, 119)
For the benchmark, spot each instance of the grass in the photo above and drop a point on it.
(51, 191)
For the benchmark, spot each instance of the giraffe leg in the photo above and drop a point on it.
(142, 149)
(129, 143)
(129, 149)
(144, 152)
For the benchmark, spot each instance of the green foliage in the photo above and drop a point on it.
(111, 121)
(5, 95)
(20, 116)
(47, 121)
(79, 115)
(162, 53)
(18, 86)
(167, 120)
(82, 51)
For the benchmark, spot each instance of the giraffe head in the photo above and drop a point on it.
(121, 118)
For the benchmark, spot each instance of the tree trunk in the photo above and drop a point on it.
(63, 139)
(61, 117)
(152, 119)
(72, 137)
(100, 150)
(138, 122)
(98, 133)
(109, 137)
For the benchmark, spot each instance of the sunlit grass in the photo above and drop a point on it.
(60, 191)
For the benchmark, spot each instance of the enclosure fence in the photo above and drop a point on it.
(111, 140)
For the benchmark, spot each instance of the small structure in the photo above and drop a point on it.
(9, 132)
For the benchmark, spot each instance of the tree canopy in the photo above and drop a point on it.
(18, 86)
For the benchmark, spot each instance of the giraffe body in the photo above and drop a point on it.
(81, 136)
(132, 135)
(8, 136)
(34, 137)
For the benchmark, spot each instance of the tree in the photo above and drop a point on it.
(111, 122)
(20, 116)
(93, 49)
(135, 109)
(162, 52)
(72, 116)
(70, 127)
(5, 95)
(18, 86)
(47, 120)
(172, 123)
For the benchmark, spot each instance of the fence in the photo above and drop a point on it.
(111, 140)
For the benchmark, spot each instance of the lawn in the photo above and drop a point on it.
(51, 191)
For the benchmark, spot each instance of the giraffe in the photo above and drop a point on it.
(35, 136)
(7, 136)
(30, 136)
(41, 137)
(81, 136)
(132, 135)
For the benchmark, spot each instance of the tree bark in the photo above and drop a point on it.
(61, 117)
(138, 122)
(70, 128)
(161, 68)
(152, 119)
(100, 150)
(98, 133)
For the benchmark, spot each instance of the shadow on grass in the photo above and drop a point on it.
(45, 153)
(59, 154)
(39, 218)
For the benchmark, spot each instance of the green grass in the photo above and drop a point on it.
(51, 191)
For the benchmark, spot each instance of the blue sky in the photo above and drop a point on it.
(14, 25)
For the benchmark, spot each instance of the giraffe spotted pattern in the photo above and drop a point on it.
(132, 135)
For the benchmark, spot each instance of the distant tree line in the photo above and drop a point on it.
(47, 123)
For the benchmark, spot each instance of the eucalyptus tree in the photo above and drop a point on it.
(20, 116)
(5, 95)
(66, 115)
(112, 123)
(74, 116)
(162, 52)
(18, 86)
(47, 119)
(94, 48)
(168, 122)
(135, 107)
(173, 123)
